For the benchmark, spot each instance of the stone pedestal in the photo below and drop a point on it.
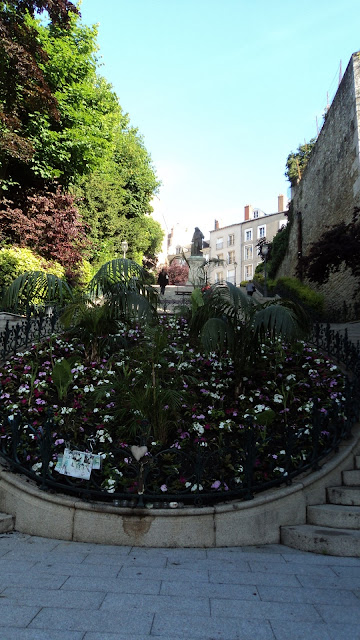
(196, 272)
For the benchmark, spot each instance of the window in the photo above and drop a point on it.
(178, 250)
(248, 252)
(231, 257)
(218, 277)
(231, 276)
(248, 235)
(262, 231)
(256, 213)
(231, 240)
(219, 243)
(220, 256)
(282, 223)
(248, 271)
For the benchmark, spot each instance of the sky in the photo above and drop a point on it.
(222, 91)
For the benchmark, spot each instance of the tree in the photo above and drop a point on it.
(23, 87)
(296, 162)
(178, 272)
(48, 223)
(75, 139)
(339, 245)
(89, 110)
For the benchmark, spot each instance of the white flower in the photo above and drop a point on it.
(89, 388)
(259, 407)
(195, 486)
(198, 428)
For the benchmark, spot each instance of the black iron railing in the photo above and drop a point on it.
(159, 478)
(32, 328)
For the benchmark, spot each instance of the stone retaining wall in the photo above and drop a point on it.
(237, 523)
(330, 187)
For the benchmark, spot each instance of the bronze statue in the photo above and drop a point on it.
(197, 242)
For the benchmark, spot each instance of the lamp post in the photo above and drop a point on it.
(235, 265)
(264, 252)
(124, 246)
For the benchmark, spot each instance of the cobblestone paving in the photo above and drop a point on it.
(55, 590)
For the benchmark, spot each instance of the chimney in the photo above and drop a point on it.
(216, 225)
(281, 203)
(247, 209)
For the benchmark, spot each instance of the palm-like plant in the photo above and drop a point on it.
(36, 288)
(148, 402)
(230, 320)
(118, 293)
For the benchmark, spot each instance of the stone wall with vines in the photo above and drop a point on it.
(330, 187)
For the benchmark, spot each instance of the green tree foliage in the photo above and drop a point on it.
(23, 87)
(297, 161)
(61, 125)
(279, 247)
(89, 109)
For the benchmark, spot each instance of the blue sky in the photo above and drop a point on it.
(222, 91)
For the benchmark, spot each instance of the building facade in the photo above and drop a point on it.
(236, 245)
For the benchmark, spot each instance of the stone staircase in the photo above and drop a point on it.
(332, 528)
(6, 523)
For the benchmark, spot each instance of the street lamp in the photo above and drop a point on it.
(264, 250)
(124, 246)
(235, 265)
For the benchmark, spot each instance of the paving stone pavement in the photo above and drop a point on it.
(56, 590)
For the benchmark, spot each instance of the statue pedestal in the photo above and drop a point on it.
(196, 273)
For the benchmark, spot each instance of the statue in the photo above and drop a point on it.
(197, 242)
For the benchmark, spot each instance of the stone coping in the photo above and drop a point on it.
(234, 523)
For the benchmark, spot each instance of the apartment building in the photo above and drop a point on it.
(236, 244)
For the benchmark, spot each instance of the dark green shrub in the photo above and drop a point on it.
(295, 290)
(14, 261)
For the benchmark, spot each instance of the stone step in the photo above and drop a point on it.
(322, 540)
(6, 523)
(334, 515)
(351, 478)
(344, 495)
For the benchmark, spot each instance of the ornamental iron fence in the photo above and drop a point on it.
(32, 328)
(145, 478)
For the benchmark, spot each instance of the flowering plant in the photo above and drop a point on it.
(163, 392)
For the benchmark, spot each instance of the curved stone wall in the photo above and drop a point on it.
(256, 521)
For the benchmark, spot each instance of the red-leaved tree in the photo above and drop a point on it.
(50, 224)
(178, 272)
(339, 245)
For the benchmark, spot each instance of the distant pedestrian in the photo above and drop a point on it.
(163, 280)
(250, 288)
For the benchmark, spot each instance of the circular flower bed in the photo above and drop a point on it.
(160, 417)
